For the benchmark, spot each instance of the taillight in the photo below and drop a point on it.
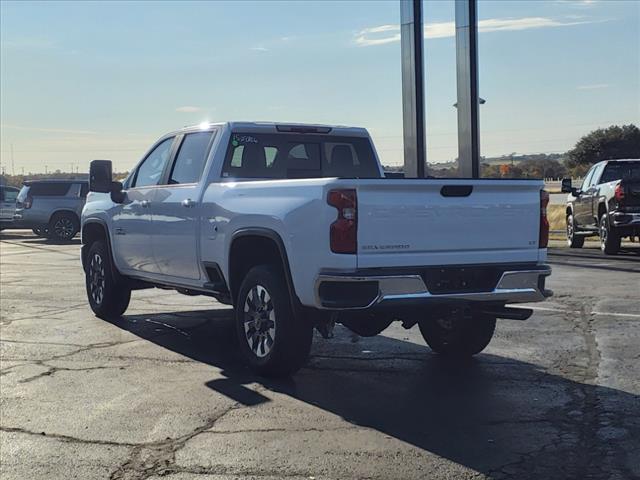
(344, 231)
(619, 193)
(543, 241)
(27, 202)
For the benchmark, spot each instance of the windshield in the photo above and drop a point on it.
(278, 155)
(619, 170)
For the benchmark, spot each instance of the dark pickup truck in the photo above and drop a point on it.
(607, 204)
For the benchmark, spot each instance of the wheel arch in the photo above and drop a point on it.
(90, 232)
(602, 209)
(66, 211)
(248, 248)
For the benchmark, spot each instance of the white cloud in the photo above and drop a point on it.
(260, 49)
(384, 34)
(188, 109)
(595, 86)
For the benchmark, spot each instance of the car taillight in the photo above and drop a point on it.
(344, 231)
(619, 193)
(27, 202)
(544, 221)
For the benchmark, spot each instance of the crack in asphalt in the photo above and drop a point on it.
(65, 438)
(158, 458)
(52, 370)
(575, 448)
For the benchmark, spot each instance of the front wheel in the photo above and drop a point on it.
(458, 336)
(609, 240)
(573, 240)
(272, 340)
(107, 292)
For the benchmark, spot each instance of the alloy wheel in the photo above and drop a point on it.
(63, 228)
(604, 234)
(570, 230)
(259, 321)
(96, 279)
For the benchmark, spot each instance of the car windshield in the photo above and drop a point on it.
(280, 155)
(619, 170)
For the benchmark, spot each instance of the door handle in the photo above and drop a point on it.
(145, 203)
(187, 202)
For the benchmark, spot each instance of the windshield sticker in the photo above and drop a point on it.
(243, 139)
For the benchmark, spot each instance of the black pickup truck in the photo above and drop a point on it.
(607, 204)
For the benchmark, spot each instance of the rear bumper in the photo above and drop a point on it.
(357, 292)
(623, 219)
(28, 219)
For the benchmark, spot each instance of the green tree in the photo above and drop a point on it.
(605, 144)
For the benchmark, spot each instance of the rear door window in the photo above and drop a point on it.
(191, 158)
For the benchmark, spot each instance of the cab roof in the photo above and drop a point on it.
(279, 127)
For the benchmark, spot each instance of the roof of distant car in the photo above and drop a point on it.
(56, 180)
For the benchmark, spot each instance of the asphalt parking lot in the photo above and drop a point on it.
(162, 393)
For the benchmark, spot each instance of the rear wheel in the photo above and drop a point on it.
(573, 240)
(272, 340)
(107, 291)
(609, 240)
(41, 231)
(458, 336)
(63, 226)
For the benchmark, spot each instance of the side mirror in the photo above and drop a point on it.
(100, 176)
(117, 195)
(566, 186)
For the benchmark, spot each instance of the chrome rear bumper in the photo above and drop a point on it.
(519, 286)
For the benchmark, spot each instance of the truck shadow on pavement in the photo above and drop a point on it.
(495, 415)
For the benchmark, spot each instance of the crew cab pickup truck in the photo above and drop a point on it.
(296, 227)
(607, 204)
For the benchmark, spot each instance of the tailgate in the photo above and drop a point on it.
(631, 192)
(446, 222)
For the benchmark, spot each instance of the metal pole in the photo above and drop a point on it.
(467, 81)
(413, 123)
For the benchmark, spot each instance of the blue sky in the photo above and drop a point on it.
(87, 80)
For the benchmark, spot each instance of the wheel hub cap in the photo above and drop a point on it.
(259, 321)
(63, 228)
(96, 279)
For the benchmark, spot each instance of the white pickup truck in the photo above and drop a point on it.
(297, 227)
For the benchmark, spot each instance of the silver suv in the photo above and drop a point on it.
(51, 208)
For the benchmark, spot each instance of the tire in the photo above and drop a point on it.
(41, 231)
(273, 342)
(459, 337)
(107, 291)
(573, 240)
(366, 324)
(609, 240)
(63, 226)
